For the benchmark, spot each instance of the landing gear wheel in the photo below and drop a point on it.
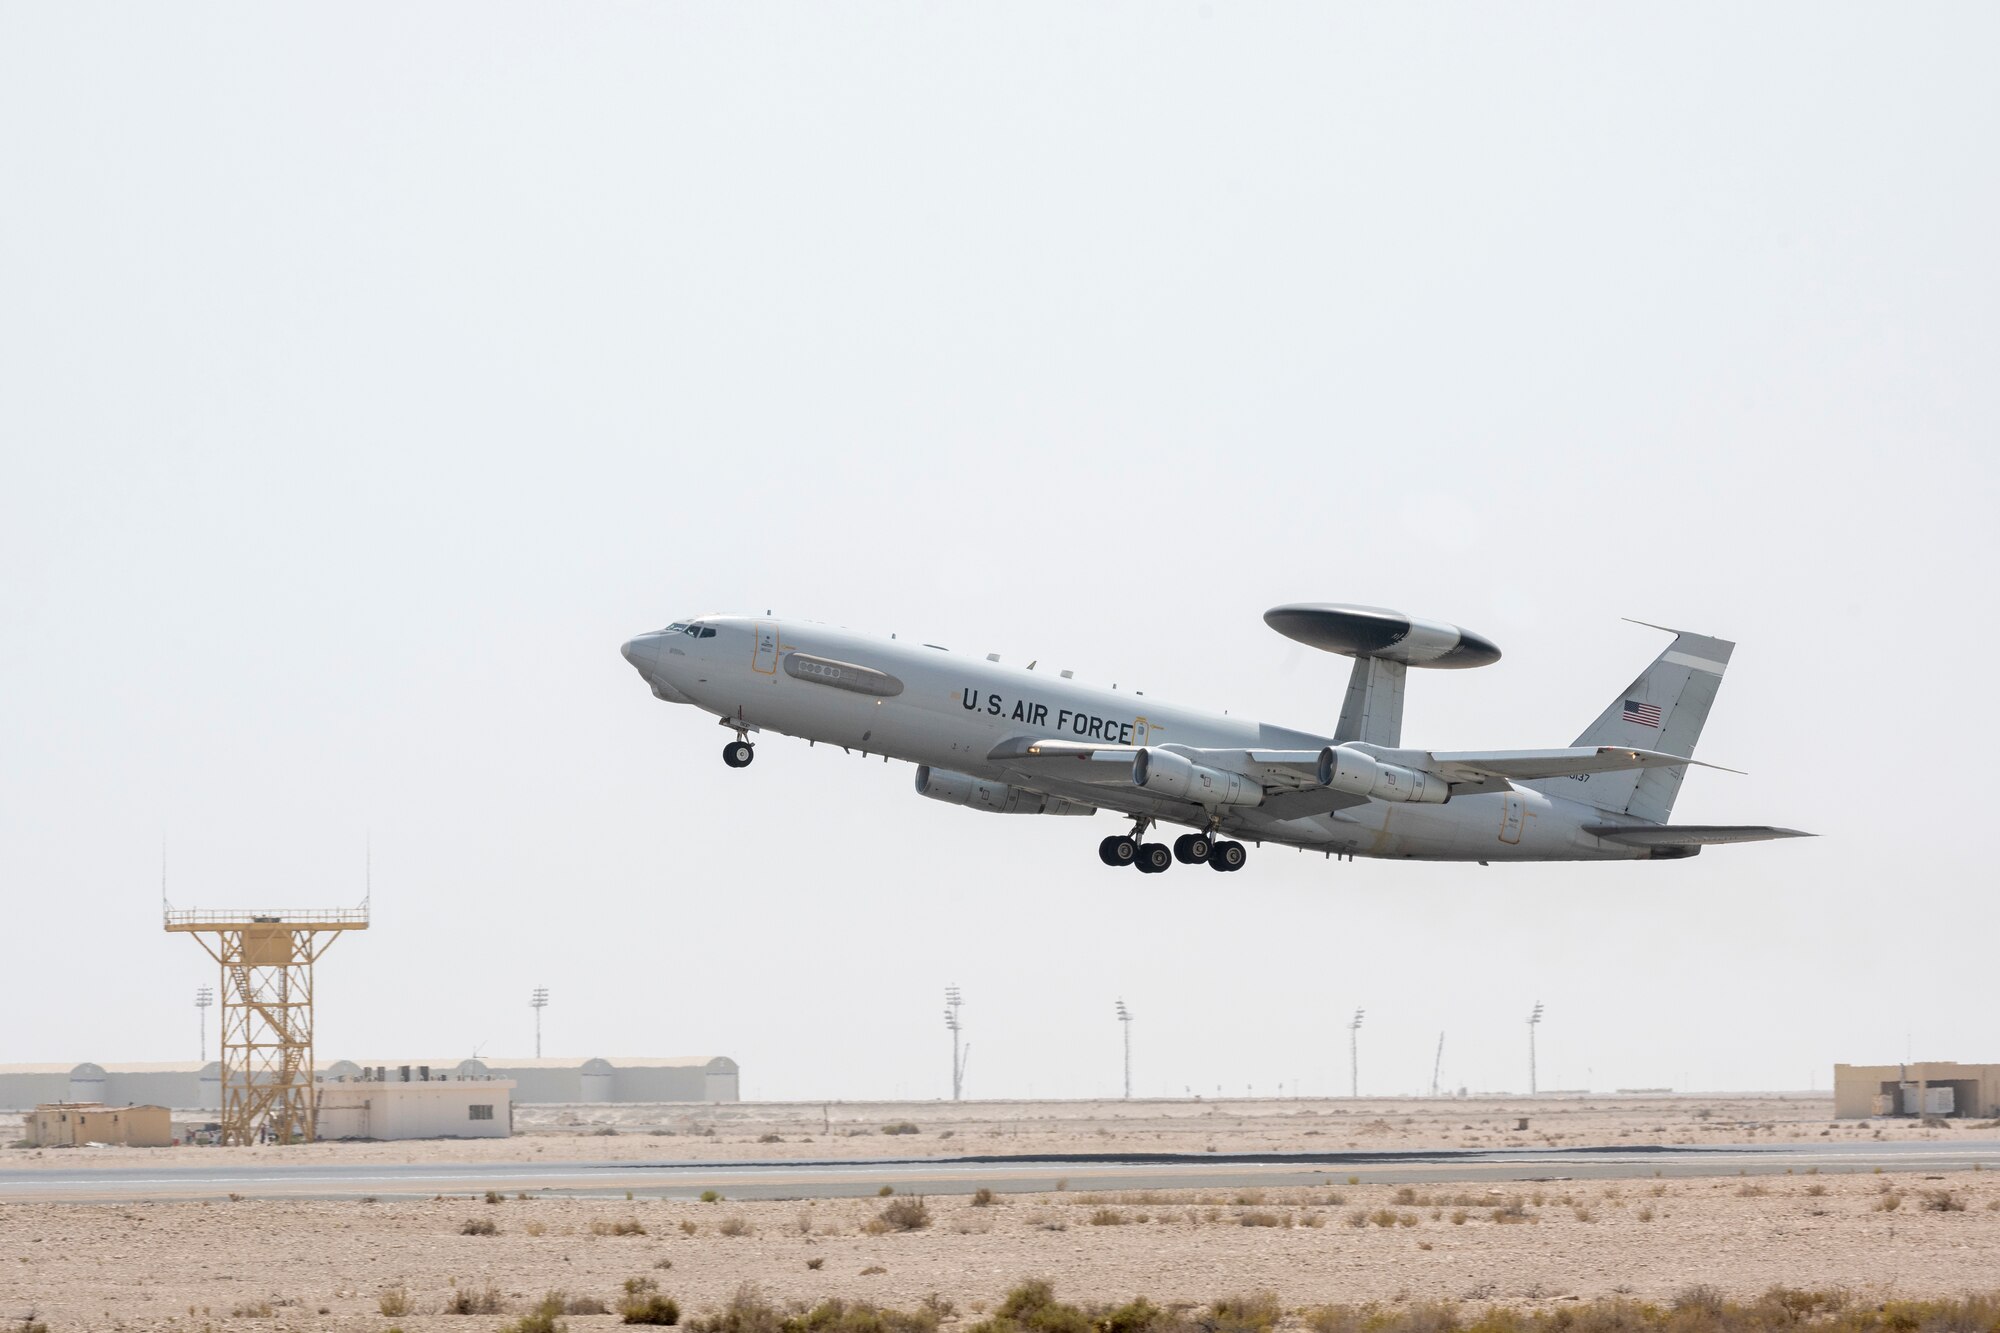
(738, 754)
(1155, 857)
(1118, 850)
(1227, 856)
(1192, 848)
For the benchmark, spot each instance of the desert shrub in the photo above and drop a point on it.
(1816, 1189)
(1255, 1313)
(901, 1127)
(543, 1317)
(770, 1138)
(495, 1196)
(901, 1215)
(710, 1196)
(982, 1197)
(733, 1226)
(815, 1263)
(648, 1307)
(604, 1132)
(468, 1299)
(1107, 1217)
(479, 1226)
(747, 1312)
(1942, 1201)
(583, 1304)
(1511, 1211)
(624, 1226)
(1751, 1191)
(1889, 1202)
(1032, 1307)
(1382, 1217)
(689, 1228)
(1259, 1217)
(395, 1302)
(254, 1310)
(885, 1191)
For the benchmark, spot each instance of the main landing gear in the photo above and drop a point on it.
(738, 753)
(1125, 849)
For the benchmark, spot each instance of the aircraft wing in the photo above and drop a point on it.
(1283, 770)
(1290, 778)
(1689, 835)
(1477, 766)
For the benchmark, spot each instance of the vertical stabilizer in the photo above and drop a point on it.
(1373, 709)
(1664, 709)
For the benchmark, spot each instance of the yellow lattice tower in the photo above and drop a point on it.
(267, 959)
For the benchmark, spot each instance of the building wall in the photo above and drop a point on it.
(540, 1082)
(1856, 1087)
(24, 1087)
(436, 1110)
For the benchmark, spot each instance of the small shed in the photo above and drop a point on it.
(72, 1124)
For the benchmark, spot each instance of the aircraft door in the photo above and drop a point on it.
(1511, 819)
(765, 658)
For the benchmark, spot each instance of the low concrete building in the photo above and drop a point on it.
(72, 1124)
(437, 1108)
(694, 1078)
(1931, 1087)
(198, 1087)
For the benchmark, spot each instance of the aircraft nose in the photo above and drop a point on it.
(642, 652)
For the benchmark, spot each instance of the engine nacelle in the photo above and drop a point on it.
(1165, 773)
(941, 784)
(1361, 774)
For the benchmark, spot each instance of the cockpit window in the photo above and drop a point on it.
(705, 631)
(678, 627)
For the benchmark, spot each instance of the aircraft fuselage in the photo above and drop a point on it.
(949, 711)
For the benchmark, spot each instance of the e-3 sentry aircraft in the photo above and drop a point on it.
(1014, 740)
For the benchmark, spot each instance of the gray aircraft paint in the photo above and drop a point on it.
(965, 715)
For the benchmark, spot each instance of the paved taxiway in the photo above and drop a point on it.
(108, 1183)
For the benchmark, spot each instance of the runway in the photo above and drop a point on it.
(802, 1179)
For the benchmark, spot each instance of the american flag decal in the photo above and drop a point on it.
(1646, 715)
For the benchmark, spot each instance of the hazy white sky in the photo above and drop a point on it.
(368, 373)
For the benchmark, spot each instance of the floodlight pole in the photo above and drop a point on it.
(1534, 1021)
(204, 996)
(952, 1001)
(1125, 1021)
(1354, 1054)
(538, 1002)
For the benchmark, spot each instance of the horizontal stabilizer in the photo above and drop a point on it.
(1689, 835)
(1521, 765)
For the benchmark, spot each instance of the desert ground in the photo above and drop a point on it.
(271, 1263)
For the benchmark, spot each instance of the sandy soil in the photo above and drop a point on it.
(853, 1129)
(326, 1265)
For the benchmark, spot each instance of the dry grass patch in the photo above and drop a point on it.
(468, 1299)
(626, 1226)
(900, 1215)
